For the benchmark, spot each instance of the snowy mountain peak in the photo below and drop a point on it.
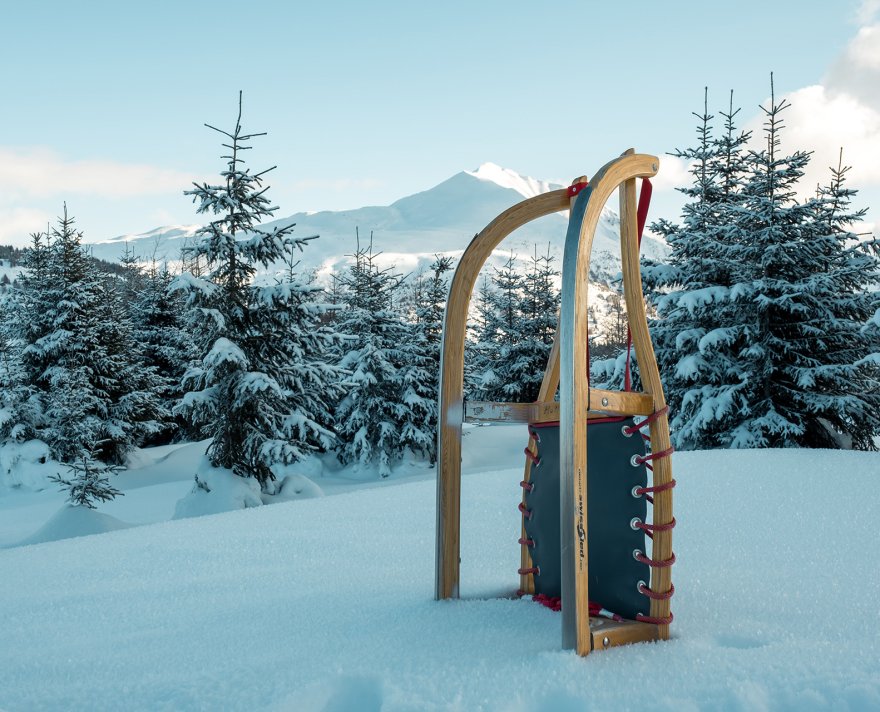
(165, 232)
(506, 178)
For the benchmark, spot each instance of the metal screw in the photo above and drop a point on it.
(605, 642)
(653, 166)
(605, 401)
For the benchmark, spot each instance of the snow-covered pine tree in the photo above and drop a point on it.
(96, 397)
(839, 367)
(28, 317)
(165, 343)
(480, 348)
(753, 318)
(372, 413)
(500, 373)
(775, 295)
(258, 388)
(137, 413)
(88, 481)
(518, 318)
(538, 320)
(695, 333)
(65, 366)
(420, 367)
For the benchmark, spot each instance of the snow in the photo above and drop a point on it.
(74, 521)
(506, 178)
(327, 603)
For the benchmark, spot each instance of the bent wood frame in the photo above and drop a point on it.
(567, 369)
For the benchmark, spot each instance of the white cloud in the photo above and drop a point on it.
(673, 173)
(824, 122)
(17, 222)
(864, 50)
(40, 172)
(841, 112)
(868, 10)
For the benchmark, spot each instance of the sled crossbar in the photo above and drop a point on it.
(601, 403)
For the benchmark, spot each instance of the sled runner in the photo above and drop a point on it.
(588, 541)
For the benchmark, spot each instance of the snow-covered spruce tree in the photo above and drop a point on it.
(165, 343)
(27, 318)
(699, 367)
(372, 413)
(518, 324)
(79, 384)
(745, 340)
(259, 388)
(480, 348)
(420, 369)
(538, 314)
(88, 481)
(499, 374)
(838, 366)
(137, 413)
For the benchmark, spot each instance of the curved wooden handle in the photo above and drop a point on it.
(574, 386)
(452, 378)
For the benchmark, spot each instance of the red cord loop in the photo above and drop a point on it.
(629, 430)
(641, 460)
(649, 529)
(656, 621)
(653, 563)
(536, 461)
(536, 570)
(554, 603)
(527, 486)
(638, 491)
(653, 595)
(527, 513)
(527, 542)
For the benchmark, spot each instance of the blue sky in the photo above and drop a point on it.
(365, 103)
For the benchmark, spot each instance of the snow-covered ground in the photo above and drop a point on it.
(326, 603)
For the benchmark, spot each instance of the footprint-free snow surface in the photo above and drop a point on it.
(326, 604)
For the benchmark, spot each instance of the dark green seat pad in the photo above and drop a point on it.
(613, 572)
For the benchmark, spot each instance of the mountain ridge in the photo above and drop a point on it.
(440, 220)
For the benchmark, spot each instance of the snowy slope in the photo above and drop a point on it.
(411, 230)
(326, 604)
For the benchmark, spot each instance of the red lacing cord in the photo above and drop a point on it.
(666, 620)
(633, 429)
(527, 513)
(649, 529)
(554, 603)
(645, 591)
(653, 563)
(639, 491)
(527, 486)
(536, 461)
(642, 459)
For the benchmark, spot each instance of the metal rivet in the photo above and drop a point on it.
(605, 642)
(653, 166)
(605, 401)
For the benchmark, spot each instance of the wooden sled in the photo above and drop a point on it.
(578, 404)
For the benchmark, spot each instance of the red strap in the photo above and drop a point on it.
(644, 204)
(641, 219)
(576, 188)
